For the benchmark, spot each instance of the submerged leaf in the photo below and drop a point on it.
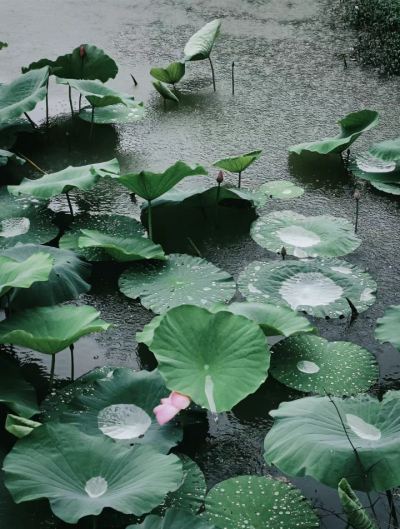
(356, 514)
(164, 91)
(237, 164)
(19, 426)
(7, 155)
(14, 391)
(173, 519)
(281, 189)
(172, 74)
(118, 114)
(387, 327)
(200, 45)
(21, 275)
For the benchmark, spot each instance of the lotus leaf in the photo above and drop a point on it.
(14, 391)
(388, 150)
(387, 327)
(308, 439)
(90, 472)
(352, 126)
(200, 45)
(319, 287)
(21, 275)
(356, 514)
(281, 189)
(259, 503)
(303, 236)
(173, 519)
(7, 155)
(238, 164)
(366, 166)
(3, 45)
(10, 129)
(97, 93)
(180, 280)
(19, 426)
(118, 114)
(172, 74)
(393, 189)
(164, 91)
(215, 359)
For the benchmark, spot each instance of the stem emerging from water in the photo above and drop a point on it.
(213, 73)
(240, 178)
(150, 226)
(47, 105)
(233, 78)
(34, 126)
(69, 204)
(356, 225)
(53, 365)
(70, 100)
(91, 126)
(72, 361)
(217, 205)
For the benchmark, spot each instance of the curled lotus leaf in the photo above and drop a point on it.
(19, 426)
(354, 509)
(200, 45)
(21, 275)
(387, 327)
(7, 155)
(164, 91)
(281, 189)
(172, 74)
(118, 114)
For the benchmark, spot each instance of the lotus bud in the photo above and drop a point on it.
(283, 252)
(170, 407)
(82, 52)
(357, 194)
(220, 177)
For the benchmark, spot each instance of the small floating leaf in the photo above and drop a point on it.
(14, 391)
(200, 45)
(387, 328)
(281, 189)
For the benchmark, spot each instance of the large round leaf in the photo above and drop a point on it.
(121, 407)
(180, 280)
(258, 503)
(303, 236)
(281, 189)
(215, 359)
(237, 164)
(173, 519)
(118, 114)
(50, 330)
(319, 287)
(23, 94)
(308, 439)
(14, 391)
(82, 474)
(352, 126)
(388, 328)
(312, 364)
(9, 131)
(388, 150)
(164, 91)
(97, 93)
(172, 74)
(7, 155)
(200, 45)
(21, 275)
(67, 279)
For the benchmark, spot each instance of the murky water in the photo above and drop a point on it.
(290, 87)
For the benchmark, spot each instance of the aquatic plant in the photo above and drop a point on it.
(165, 92)
(170, 407)
(281, 189)
(21, 275)
(3, 45)
(383, 175)
(15, 392)
(117, 114)
(172, 74)
(238, 164)
(7, 155)
(387, 327)
(173, 519)
(356, 514)
(9, 131)
(387, 150)
(19, 426)
(357, 199)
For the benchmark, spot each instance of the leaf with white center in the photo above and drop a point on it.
(21, 275)
(97, 93)
(357, 516)
(302, 236)
(19, 426)
(118, 114)
(14, 391)
(367, 167)
(180, 280)
(387, 328)
(172, 74)
(237, 164)
(200, 45)
(164, 91)
(90, 473)
(308, 439)
(312, 364)
(173, 519)
(387, 150)
(7, 155)
(257, 503)
(281, 189)
(318, 287)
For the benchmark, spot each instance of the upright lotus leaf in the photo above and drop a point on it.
(23, 220)
(119, 114)
(7, 155)
(312, 364)
(173, 519)
(107, 224)
(21, 275)
(122, 249)
(356, 513)
(95, 65)
(308, 439)
(388, 328)
(50, 330)
(164, 91)
(91, 473)
(352, 126)
(14, 391)
(67, 279)
(19, 426)
(200, 45)
(49, 185)
(238, 164)
(319, 287)
(97, 93)
(9, 131)
(182, 279)
(281, 189)
(172, 74)
(215, 359)
(367, 167)
(121, 407)
(321, 236)
(388, 150)
(258, 502)
(23, 94)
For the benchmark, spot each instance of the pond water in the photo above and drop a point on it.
(290, 87)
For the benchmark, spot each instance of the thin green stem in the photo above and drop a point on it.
(69, 204)
(47, 105)
(233, 78)
(34, 126)
(150, 226)
(53, 365)
(91, 125)
(356, 225)
(393, 513)
(240, 179)
(70, 100)
(213, 73)
(80, 102)
(71, 347)
(195, 247)
(217, 205)
(94, 522)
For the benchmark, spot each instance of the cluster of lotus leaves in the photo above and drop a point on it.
(15, 392)
(382, 172)
(172, 74)
(281, 189)
(387, 327)
(200, 45)
(5, 156)
(21, 275)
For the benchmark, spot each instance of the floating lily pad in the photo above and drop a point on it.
(10, 129)
(237, 164)
(97, 93)
(388, 150)
(387, 328)
(393, 189)
(318, 287)
(19, 426)
(67, 278)
(91, 473)
(200, 45)
(367, 167)
(7, 155)
(173, 519)
(50, 330)
(83, 178)
(14, 391)
(215, 359)
(21, 275)
(164, 91)
(121, 407)
(119, 114)
(180, 280)
(302, 236)
(23, 220)
(172, 74)
(258, 503)
(356, 513)
(308, 439)
(312, 364)
(281, 189)
(352, 126)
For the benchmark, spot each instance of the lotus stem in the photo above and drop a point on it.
(94, 522)
(71, 347)
(91, 125)
(80, 101)
(233, 78)
(149, 220)
(68, 141)
(53, 365)
(70, 100)
(69, 204)
(134, 80)
(195, 247)
(240, 178)
(217, 205)
(47, 105)
(213, 73)
(393, 513)
(34, 126)
(34, 165)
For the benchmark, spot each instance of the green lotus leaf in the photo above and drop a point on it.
(7, 155)
(97, 93)
(23, 220)
(356, 514)
(318, 287)
(172, 74)
(10, 129)
(121, 407)
(96, 65)
(215, 359)
(164, 91)
(366, 166)
(352, 126)
(237, 164)
(50, 330)
(3, 45)
(108, 224)
(14, 391)
(312, 364)
(21, 275)
(258, 502)
(308, 439)
(281, 189)
(321, 236)
(122, 249)
(49, 185)
(152, 185)
(387, 327)
(19, 426)
(393, 189)
(23, 94)
(147, 334)
(119, 114)
(173, 519)
(90, 473)
(67, 279)
(200, 45)
(180, 280)
(388, 150)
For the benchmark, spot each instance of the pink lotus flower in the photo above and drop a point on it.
(170, 407)
(82, 52)
(220, 177)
